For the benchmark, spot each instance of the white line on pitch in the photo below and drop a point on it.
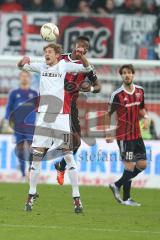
(74, 228)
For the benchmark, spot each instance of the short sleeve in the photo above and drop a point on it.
(142, 104)
(74, 67)
(32, 67)
(113, 104)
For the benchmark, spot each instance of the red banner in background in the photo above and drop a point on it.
(99, 30)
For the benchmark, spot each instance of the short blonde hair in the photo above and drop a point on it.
(57, 47)
(24, 71)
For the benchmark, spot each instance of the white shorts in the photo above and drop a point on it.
(51, 129)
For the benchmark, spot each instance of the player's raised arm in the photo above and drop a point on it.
(25, 64)
(95, 84)
(74, 67)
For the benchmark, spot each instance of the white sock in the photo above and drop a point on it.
(33, 179)
(73, 174)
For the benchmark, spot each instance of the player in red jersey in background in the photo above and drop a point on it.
(73, 84)
(128, 103)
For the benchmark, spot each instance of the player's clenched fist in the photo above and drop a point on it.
(23, 61)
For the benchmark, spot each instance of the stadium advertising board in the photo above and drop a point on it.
(135, 37)
(98, 164)
(99, 30)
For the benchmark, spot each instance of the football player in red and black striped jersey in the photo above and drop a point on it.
(128, 103)
(73, 84)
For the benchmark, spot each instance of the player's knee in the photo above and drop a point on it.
(141, 164)
(37, 154)
(71, 164)
(129, 165)
(35, 166)
(68, 157)
(19, 153)
(19, 150)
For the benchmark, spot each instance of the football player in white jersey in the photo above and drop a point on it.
(53, 123)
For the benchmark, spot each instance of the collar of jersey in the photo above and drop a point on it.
(130, 93)
(70, 59)
(48, 66)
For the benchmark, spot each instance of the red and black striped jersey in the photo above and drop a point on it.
(72, 85)
(127, 105)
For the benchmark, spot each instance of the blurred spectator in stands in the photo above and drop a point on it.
(83, 7)
(72, 5)
(151, 6)
(36, 5)
(136, 7)
(58, 6)
(24, 3)
(118, 3)
(11, 6)
(107, 7)
(139, 7)
(2, 1)
(126, 7)
(95, 4)
(157, 6)
(157, 3)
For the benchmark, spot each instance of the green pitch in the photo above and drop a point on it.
(53, 216)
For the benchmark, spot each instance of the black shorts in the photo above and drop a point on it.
(132, 150)
(75, 124)
(76, 129)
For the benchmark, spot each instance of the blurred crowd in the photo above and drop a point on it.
(102, 7)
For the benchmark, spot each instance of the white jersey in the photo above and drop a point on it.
(52, 83)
